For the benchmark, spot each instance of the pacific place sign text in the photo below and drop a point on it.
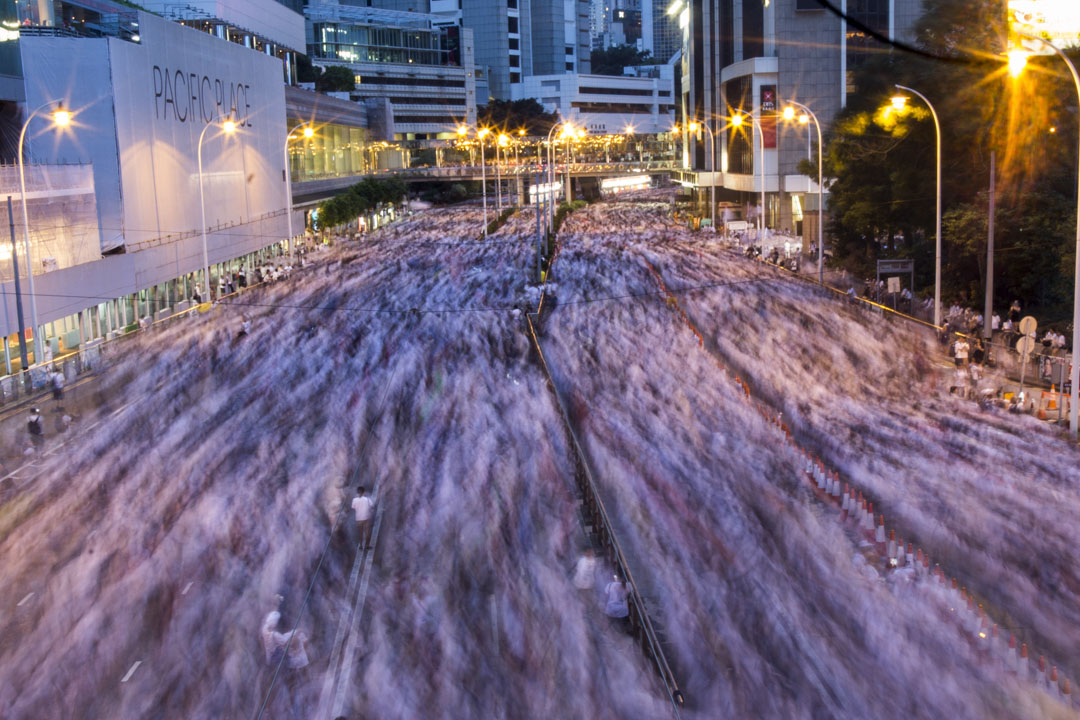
(190, 97)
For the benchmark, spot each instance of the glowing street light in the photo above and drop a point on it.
(308, 132)
(804, 118)
(1018, 60)
(1074, 374)
(899, 102)
(61, 118)
(737, 120)
(227, 127)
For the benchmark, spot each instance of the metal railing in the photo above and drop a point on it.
(594, 506)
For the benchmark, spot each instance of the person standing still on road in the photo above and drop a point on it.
(362, 506)
(58, 385)
(35, 428)
(615, 606)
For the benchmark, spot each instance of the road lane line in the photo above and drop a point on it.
(24, 600)
(131, 671)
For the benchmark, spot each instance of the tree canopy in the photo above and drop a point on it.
(612, 60)
(882, 161)
(336, 78)
(512, 115)
(365, 195)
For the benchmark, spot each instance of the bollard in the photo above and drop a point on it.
(1011, 660)
(1054, 689)
(1040, 675)
(879, 534)
(1022, 666)
(892, 544)
(836, 486)
(910, 558)
(844, 503)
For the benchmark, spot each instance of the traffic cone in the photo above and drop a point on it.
(1040, 675)
(910, 558)
(868, 518)
(836, 485)
(1054, 689)
(844, 502)
(1053, 402)
(1066, 694)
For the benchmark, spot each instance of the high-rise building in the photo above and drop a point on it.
(746, 56)
(660, 33)
(518, 38)
(425, 71)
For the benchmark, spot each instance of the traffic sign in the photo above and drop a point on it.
(1026, 344)
(1028, 325)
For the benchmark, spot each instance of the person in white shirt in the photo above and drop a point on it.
(585, 571)
(995, 322)
(274, 643)
(362, 506)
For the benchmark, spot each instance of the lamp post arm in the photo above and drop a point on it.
(26, 229)
(1074, 373)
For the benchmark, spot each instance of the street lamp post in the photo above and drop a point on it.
(737, 120)
(480, 135)
(1017, 60)
(61, 118)
(693, 126)
(898, 102)
(308, 132)
(227, 127)
(498, 174)
(821, 191)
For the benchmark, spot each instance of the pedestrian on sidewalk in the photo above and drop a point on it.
(362, 505)
(1014, 311)
(241, 276)
(615, 605)
(35, 428)
(196, 295)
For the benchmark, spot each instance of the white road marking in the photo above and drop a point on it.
(25, 600)
(131, 671)
(344, 679)
(186, 588)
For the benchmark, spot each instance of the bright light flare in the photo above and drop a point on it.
(228, 126)
(503, 140)
(462, 131)
(693, 126)
(803, 119)
(61, 117)
(737, 120)
(1018, 59)
(789, 113)
(309, 132)
(899, 102)
(482, 133)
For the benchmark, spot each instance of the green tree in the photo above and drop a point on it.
(305, 71)
(612, 60)
(514, 115)
(882, 164)
(336, 78)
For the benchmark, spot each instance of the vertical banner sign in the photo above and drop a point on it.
(768, 115)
